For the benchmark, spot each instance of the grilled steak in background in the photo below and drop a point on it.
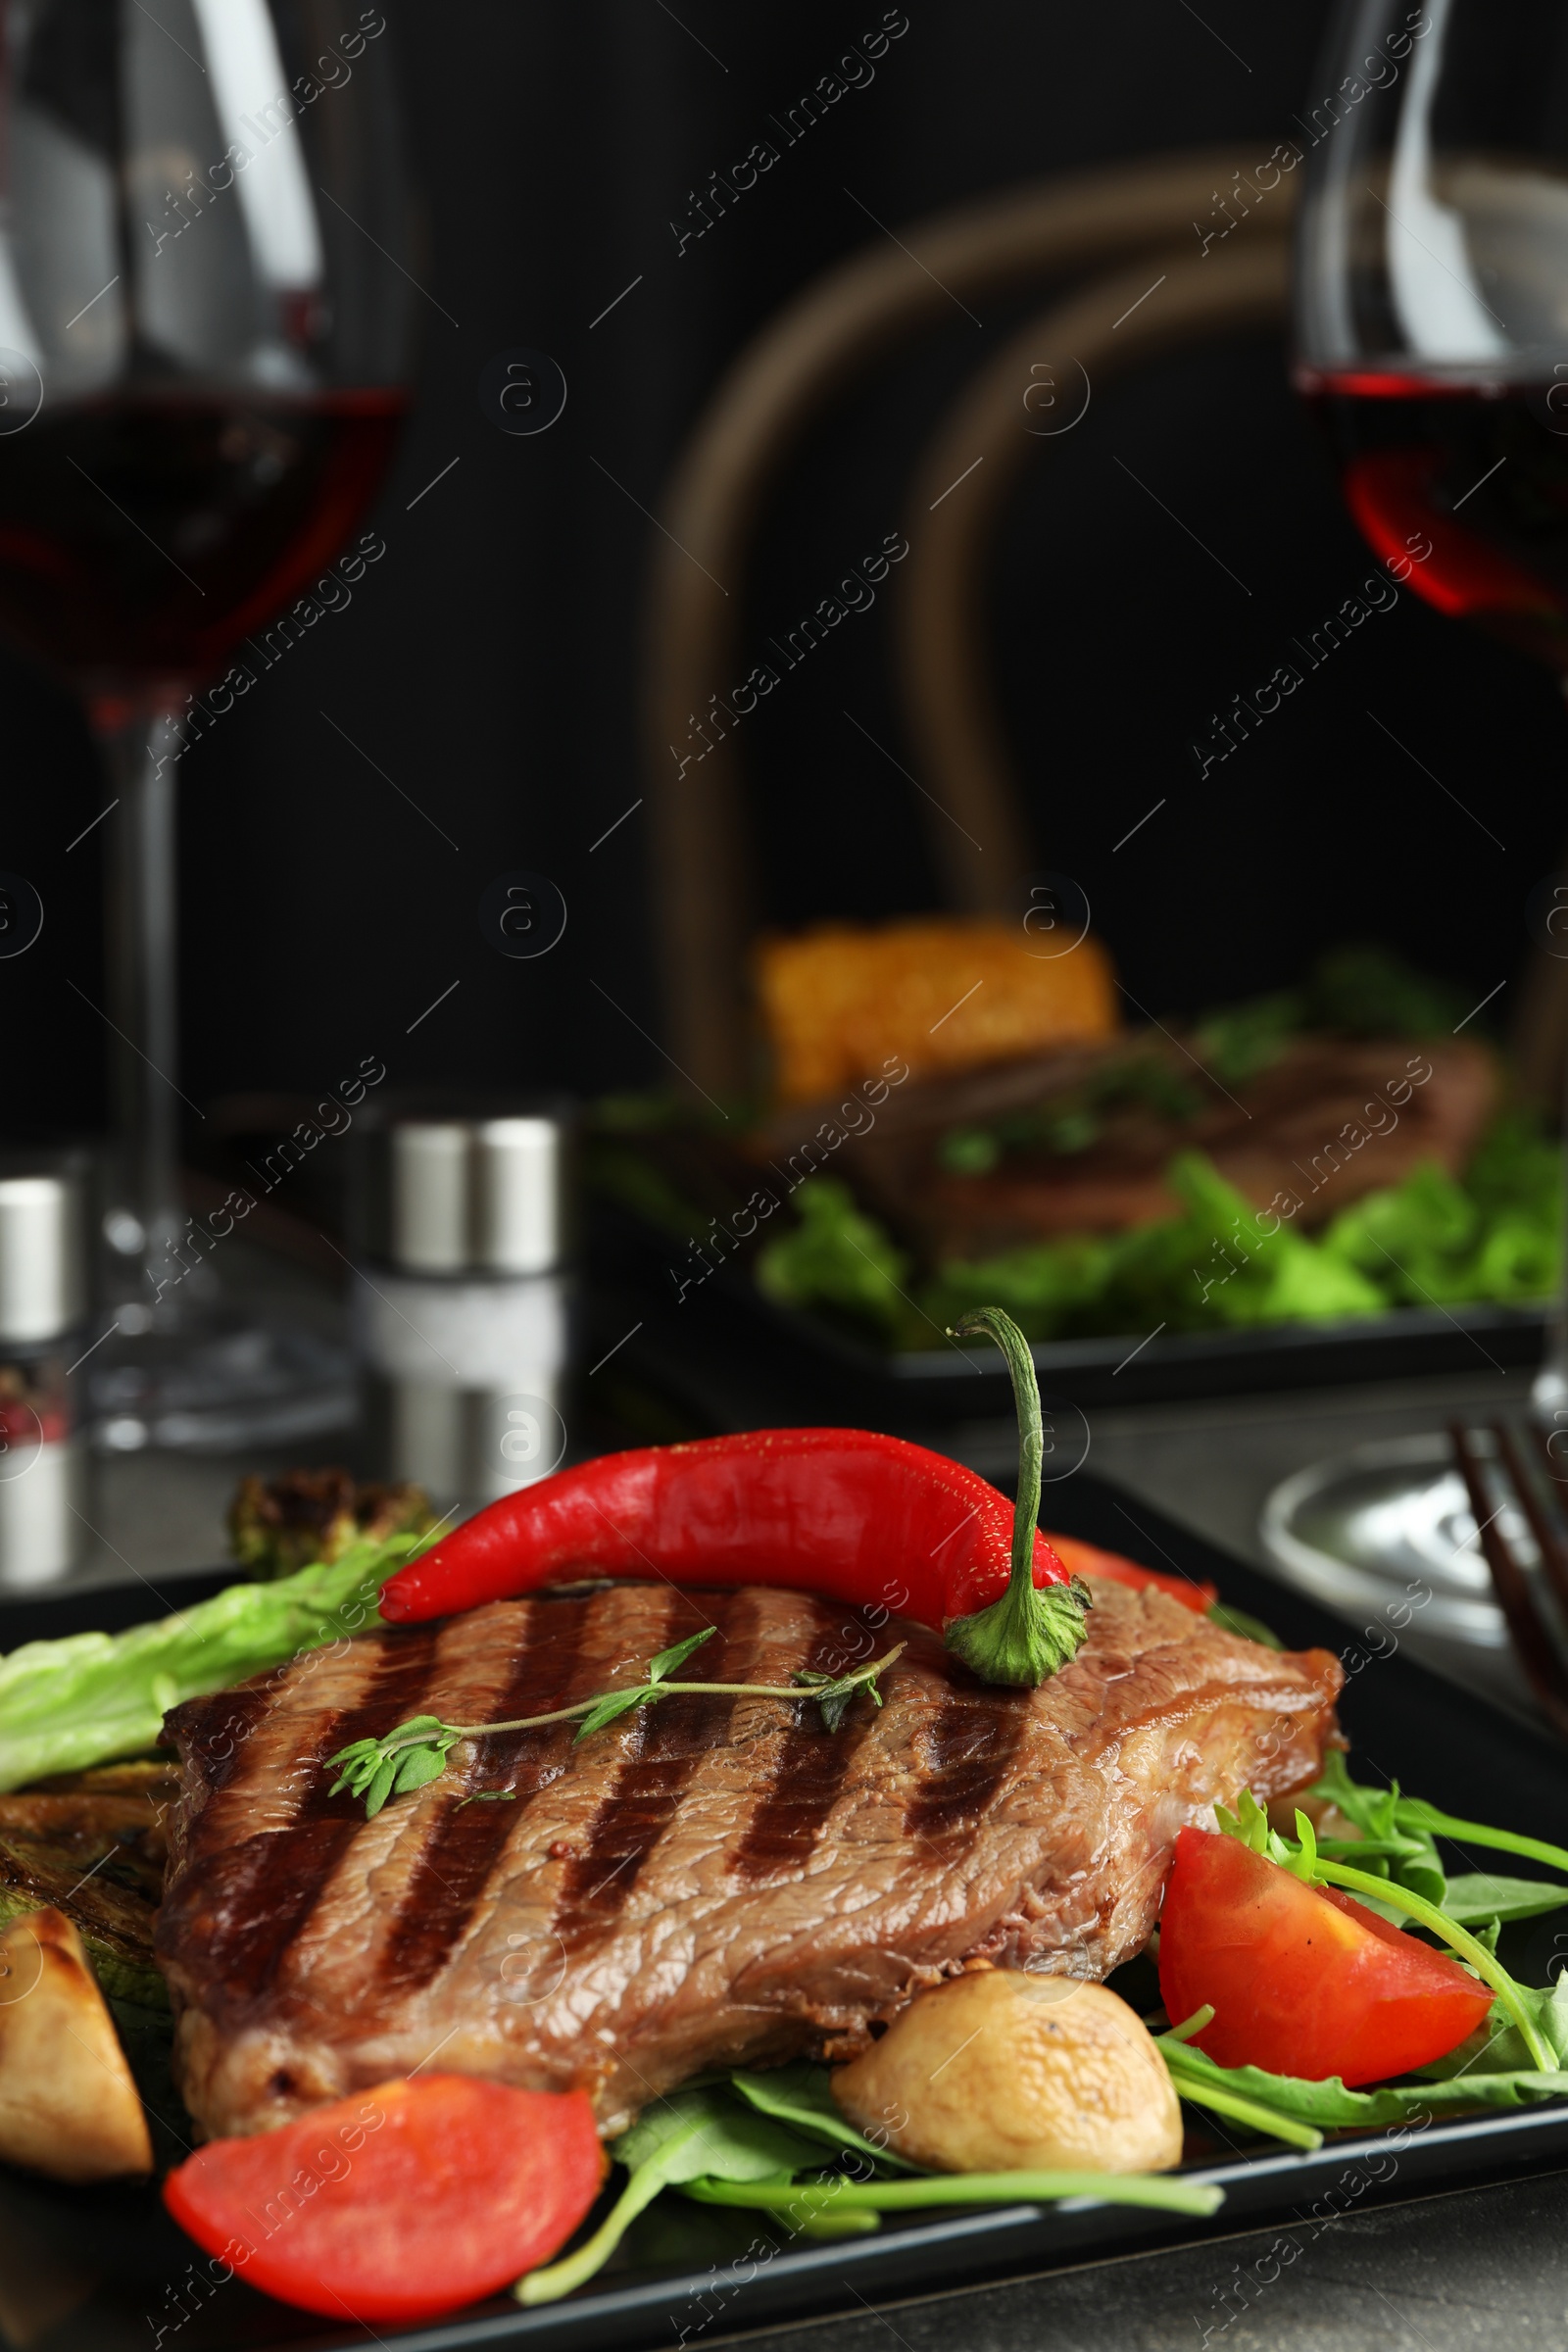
(710, 1881)
(1314, 1126)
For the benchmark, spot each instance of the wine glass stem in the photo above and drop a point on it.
(144, 1217)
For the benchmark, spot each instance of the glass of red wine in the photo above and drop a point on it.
(1432, 316)
(1432, 301)
(204, 332)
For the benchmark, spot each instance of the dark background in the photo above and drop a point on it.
(486, 663)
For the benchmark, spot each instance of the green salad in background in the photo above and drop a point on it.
(1497, 1234)
(1492, 1234)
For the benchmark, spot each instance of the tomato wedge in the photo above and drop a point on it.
(1303, 1980)
(400, 2202)
(1087, 1559)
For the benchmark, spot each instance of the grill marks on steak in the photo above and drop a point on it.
(279, 1877)
(663, 1752)
(715, 1881)
(813, 1767)
(545, 1671)
(968, 1748)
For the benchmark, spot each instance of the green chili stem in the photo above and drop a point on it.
(1031, 1432)
(1486, 1965)
(1027, 1635)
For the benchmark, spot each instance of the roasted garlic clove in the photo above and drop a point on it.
(1005, 2071)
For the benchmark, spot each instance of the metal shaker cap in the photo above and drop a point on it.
(479, 1196)
(43, 1283)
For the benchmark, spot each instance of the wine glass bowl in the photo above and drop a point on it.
(205, 323)
(198, 278)
(1432, 301)
(1431, 323)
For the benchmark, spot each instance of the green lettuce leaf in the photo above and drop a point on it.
(90, 1698)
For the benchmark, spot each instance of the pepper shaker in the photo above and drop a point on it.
(43, 1304)
(462, 1298)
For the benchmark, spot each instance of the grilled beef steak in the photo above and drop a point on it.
(1330, 1120)
(709, 1882)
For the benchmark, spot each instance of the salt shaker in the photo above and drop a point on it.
(462, 1298)
(43, 1304)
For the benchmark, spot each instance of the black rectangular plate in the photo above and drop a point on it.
(116, 2269)
(733, 1358)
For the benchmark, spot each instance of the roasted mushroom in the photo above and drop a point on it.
(1003, 2071)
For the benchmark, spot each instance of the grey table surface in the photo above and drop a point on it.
(1475, 2267)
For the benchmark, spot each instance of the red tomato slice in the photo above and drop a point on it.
(398, 2203)
(1303, 1980)
(1087, 1559)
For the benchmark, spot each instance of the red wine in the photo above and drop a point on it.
(1463, 487)
(142, 536)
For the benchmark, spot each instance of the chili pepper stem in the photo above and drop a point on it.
(1031, 1632)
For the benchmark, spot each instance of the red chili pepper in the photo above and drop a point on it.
(843, 1512)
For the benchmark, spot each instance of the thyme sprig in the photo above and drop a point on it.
(416, 1751)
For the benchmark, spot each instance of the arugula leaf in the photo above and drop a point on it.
(696, 2135)
(1480, 1896)
(1160, 2190)
(1416, 1813)
(1388, 1814)
(1329, 2107)
(705, 2132)
(1197, 2079)
(1389, 1846)
(1249, 1826)
(1409, 1862)
(1409, 1857)
(800, 2096)
(1497, 2047)
(668, 1660)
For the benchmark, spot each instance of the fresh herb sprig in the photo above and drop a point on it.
(416, 1751)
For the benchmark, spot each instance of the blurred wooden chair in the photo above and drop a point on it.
(1137, 215)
